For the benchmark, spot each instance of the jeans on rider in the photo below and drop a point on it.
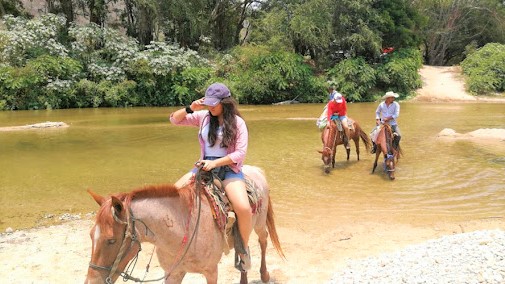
(397, 136)
(345, 126)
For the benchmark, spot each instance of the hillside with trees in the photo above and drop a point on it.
(119, 53)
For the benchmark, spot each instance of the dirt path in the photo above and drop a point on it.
(442, 84)
(446, 84)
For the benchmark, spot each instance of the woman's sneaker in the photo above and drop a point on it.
(243, 261)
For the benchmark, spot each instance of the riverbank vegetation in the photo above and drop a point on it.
(159, 53)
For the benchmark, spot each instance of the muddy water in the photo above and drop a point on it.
(45, 173)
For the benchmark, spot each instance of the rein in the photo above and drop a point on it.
(130, 232)
(197, 225)
(332, 153)
(389, 149)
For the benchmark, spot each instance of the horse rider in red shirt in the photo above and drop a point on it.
(337, 109)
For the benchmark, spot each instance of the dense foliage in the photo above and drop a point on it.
(158, 53)
(360, 81)
(97, 67)
(260, 76)
(485, 69)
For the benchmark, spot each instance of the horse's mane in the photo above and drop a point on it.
(186, 194)
(160, 190)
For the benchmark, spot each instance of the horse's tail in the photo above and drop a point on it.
(399, 150)
(271, 229)
(364, 138)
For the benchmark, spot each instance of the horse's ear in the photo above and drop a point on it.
(98, 198)
(117, 204)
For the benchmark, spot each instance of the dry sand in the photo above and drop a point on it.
(60, 254)
(446, 84)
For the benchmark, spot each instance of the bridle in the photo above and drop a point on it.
(389, 146)
(130, 232)
(332, 153)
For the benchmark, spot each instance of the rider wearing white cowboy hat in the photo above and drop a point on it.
(387, 112)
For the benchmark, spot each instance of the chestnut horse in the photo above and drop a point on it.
(385, 145)
(331, 137)
(179, 223)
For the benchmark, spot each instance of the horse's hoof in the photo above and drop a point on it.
(265, 277)
(327, 171)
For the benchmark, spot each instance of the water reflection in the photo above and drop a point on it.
(111, 150)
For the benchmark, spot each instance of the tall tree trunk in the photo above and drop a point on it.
(68, 9)
(145, 24)
(97, 12)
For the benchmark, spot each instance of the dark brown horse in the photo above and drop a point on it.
(332, 137)
(385, 145)
(179, 222)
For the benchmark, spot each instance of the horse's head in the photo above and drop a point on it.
(389, 165)
(328, 138)
(114, 240)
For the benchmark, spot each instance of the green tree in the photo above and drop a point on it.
(11, 7)
(485, 69)
(454, 24)
(140, 18)
(401, 23)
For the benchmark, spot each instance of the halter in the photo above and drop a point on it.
(389, 149)
(388, 157)
(332, 154)
(130, 232)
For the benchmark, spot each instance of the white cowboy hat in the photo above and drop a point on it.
(390, 95)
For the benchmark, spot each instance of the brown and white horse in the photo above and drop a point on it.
(385, 145)
(331, 137)
(179, 223)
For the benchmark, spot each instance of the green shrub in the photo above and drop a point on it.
(400, 72)
(354, 78)
(485, 69)
(119, 95)
(20, 87)
(261, 76)
(87, 94)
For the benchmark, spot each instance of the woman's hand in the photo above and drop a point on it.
(207, 165)
(197, 105)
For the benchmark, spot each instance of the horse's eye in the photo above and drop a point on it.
(111, 241)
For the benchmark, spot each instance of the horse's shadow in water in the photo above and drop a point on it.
(332, 137)
(180, 223)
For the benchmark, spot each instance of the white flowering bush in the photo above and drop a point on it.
(166, 58)
(42, 66)
(96, 44)
(30, 38)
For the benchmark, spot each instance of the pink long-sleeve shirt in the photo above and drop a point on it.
(236, 152)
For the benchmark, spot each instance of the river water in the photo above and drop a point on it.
(45, 173)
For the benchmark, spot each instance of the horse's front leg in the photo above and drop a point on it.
(356, 143)
(333, 156)
(211, 276)
(174, 277)
(243, 277)
(376, 159)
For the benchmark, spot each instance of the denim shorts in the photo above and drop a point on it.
(224, 172)
(339, 117)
